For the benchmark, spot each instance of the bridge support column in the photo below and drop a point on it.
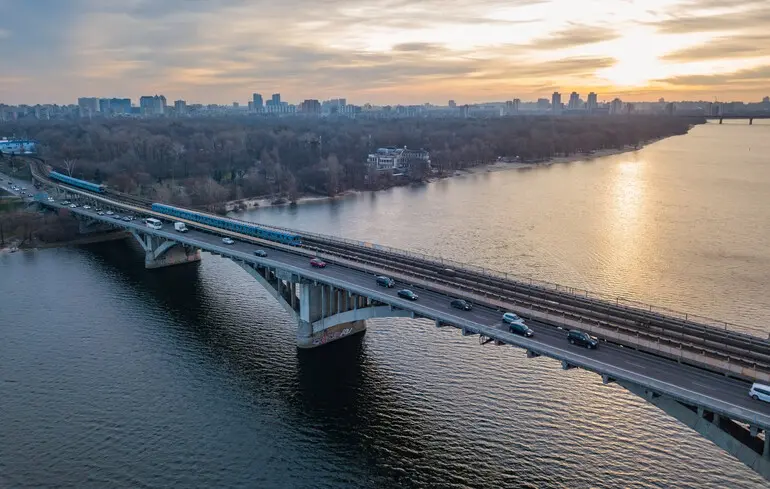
(159, 253)
(725, 433)
(322, 315)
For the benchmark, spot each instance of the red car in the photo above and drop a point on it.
(318, 263)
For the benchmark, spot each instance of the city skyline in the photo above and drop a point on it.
(386, 51)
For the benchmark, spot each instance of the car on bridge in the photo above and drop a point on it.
(109, 213)
(516, 324)
(260, 253)
(385, 281)
(407, 294)
(760, 392)
(317, 263)
(461, 304)
(228, 241)
(576, 337)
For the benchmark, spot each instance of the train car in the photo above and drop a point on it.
(17, 147)
(75, 182)
(230, 225)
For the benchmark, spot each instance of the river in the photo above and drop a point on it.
(116, 376)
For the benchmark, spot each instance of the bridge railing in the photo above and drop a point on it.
(617, 301)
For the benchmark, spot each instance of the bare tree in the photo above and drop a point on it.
(69, 165)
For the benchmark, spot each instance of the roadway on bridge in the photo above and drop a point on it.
(701, 382)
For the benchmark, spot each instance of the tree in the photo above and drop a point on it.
(69, 165)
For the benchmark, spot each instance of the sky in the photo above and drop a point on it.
(384, 51)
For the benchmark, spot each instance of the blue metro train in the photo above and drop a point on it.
(230, 224)
(92, 187)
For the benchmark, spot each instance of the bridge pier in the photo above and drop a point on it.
(734, 438)
(323, 313)
(159, 253)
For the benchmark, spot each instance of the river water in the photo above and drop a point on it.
(116, 376)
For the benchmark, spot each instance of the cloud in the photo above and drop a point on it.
(725, 47)
(743, 19)
(575, 35)
(758, 75)
(422, 47)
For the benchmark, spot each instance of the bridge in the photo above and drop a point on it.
(697, 371)
(748, 116)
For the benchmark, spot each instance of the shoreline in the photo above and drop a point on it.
(111, 236)
(503, 166)
(261, 202)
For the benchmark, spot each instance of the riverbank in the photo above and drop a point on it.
(247, 204)
(517, 165)
(14, 245)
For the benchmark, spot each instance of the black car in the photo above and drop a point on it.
(461, 304)
(385, 281)
(407, 294)
(261, 253)
(576, 337)
(520, 328)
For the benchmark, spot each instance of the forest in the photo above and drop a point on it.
(201, 161)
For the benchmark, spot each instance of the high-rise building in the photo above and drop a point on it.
(89, 106)
(152, 105)
(310, 107)
(574, 101)
(542, 104)
(180, 107)
(120, 105)
(766, 100)
(257, 103)
(236, 105)
(276, 99)
(616, 106)
(592, 103)
(104, 106)
(453, 104)
(556, 102)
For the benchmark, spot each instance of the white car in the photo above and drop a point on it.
(72, 206)
(109, 213)
(100, 213)
(50, 199)
(86, 207)
(227, 241)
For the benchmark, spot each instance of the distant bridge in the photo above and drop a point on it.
(747, 116)
(698, 373)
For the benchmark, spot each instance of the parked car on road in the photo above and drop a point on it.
(384, 281)
(317, 263)
(407, 294)
(461, 304)
(576, 337)
(227, 241)
(86, 206)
